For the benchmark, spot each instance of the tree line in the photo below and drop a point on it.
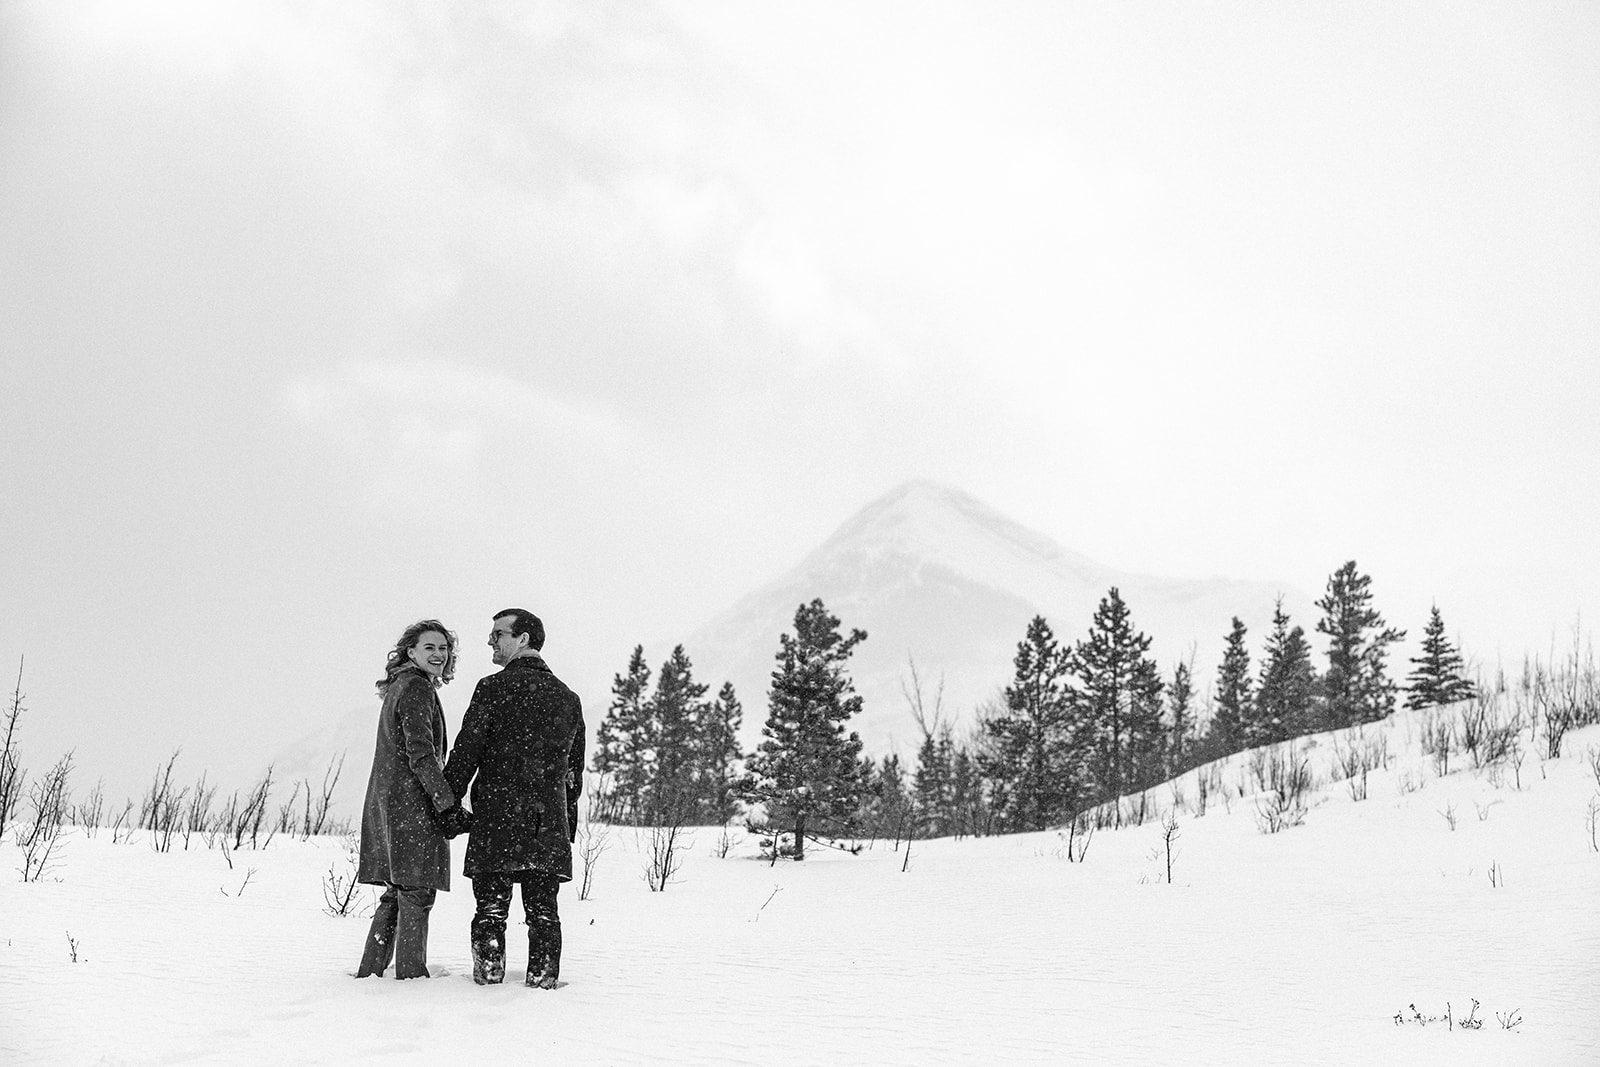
(1079, 723)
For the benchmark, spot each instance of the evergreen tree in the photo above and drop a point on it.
(624, 743)
(1119, 699)
(932, 785)
(1355, 685)
(721, 754)
(678, 713)
(1180, 705)
(807, 767)
(1234, 699)
(1437, 676)
(1027, 761)
(1285, 704)
(890, 806)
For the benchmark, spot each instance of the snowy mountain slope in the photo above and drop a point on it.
(931, 574)
(934, 575)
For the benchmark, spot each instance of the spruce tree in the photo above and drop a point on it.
(1119, 699)
(932, 785)
(624, 743)
(678, 714)
(1285, 703)
(1180, 705)
(1234, 699)
(968, 810)
(1355, 685)
(720, 752)
(1029, 763)
(1437, 676)
(807, 766)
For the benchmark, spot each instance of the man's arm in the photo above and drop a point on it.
(575, 754)
(464, 758)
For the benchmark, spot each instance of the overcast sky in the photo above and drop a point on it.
(319, 318)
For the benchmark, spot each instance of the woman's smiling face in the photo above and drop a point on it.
(431, 652)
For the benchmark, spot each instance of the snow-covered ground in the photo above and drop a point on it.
(1318, 944)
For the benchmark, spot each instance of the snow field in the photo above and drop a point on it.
(1294, 947)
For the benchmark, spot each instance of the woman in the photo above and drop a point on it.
(403, 847)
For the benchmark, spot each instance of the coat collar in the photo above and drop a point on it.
(528, 663)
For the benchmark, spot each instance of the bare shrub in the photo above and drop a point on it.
(197, 813)
(340, 886)
(667, 842)
(1077, 836)
(39, 836)
(316, 821)
(1202, 792)
(1439, 741)
(122, 825)
(593, 839)
(1408, 783)
(1284, 805)
(162, 805)
(1169, 837)
(1449, 814)
(11, 773)
(91, 810)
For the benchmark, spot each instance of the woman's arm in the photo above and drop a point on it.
(414, 709)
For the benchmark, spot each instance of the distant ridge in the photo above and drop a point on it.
(933, 573)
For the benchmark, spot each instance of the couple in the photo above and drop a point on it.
(521, 750)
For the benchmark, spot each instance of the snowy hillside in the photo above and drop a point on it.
(933, 574)
(1451, 915)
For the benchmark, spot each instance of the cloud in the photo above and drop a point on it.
(434, 422)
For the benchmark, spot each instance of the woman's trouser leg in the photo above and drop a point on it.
(411, 932)
(380, 936)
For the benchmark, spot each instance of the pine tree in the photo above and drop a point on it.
(1437, 676)
(721, 754)
(1285, 703)
(1180, 705)
(624, 743)
(1355, 685)
(678, 715)
(968, 811)
(890, 807)
(1234, 699)
(807, 767)
(932, 784)
(1027, 762)
(1119, 699)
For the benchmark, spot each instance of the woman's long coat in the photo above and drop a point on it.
(521, 748)
(400, 845)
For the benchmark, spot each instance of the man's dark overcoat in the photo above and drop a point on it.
(521, 748)
(400, 845)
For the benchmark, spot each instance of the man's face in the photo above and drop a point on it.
(505, 644)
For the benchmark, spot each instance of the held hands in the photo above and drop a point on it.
(453, 821)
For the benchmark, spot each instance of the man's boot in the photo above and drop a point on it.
(488, 955)
(544, 954)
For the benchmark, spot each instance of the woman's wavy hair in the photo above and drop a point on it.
(399, 660)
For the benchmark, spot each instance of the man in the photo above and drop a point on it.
(521, 749)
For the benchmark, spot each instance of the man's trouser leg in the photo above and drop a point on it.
(544, 929)
(411, 932)
(493, 895)
(379, 948)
